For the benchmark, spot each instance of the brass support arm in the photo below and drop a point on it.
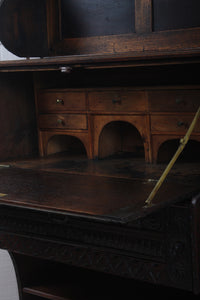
(182, 145)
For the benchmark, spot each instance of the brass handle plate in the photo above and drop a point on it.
(182, 124)
(116, 100)
(60, 122)
(179, 101)
(59, 101)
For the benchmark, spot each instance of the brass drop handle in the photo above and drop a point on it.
(60, 122)
(59, 101)
(179, 100)
(180, 123)
(116, 100)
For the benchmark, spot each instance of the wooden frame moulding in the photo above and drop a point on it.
(143, 16)
(143, 42)
(53, 25)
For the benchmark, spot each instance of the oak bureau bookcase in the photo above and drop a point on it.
(90, 117)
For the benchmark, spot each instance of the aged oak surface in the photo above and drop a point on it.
(115, 90)
(113, 189)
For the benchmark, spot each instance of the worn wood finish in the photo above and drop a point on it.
(113, 249)
(174, 100)
(61, 101)
(53, 141)
(52, 15)
(143, 16)
(88, 283)
(63, 121)
(170, 123)
(18, 135)
(152, 44)
(151, 111)
(139, 122)
(94, 101)
(55, 191)
(105, 29)
(120, 138)
(160, 138)
(126, 167)
(58, 211)
(117, 101)
(22, 37)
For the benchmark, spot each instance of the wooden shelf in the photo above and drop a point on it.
(55, 292)
(110, 289)
(88, 286)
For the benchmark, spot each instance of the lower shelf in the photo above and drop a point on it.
(43, 279)
(72, 291)
(55, 292)
(101, 291)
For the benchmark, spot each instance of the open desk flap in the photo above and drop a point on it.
(108, 199)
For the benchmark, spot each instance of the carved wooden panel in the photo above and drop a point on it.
(160, 253)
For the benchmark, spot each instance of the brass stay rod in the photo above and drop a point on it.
(182, 145)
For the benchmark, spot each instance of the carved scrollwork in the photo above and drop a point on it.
(86, 257)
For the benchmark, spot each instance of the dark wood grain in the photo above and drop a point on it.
(91, 28)
(87, 192)
(143, 19)
(63, 121)
(174, 101)
(69, 101)
(72, 210)
(175, 14)
(18, 134)
(24, 24)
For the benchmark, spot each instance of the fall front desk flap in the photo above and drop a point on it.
(90, 194)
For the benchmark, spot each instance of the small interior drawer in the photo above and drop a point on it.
(55, 101)
(63, 121)
(129, 101)
(174, 100)
(175, 123)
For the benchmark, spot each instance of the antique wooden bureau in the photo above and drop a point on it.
(90, 117)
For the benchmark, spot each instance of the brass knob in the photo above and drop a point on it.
(116, 100)
(179, 100)
(180, 123)
(59, 121)
(59, 101)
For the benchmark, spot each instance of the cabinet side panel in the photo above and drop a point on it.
(195, 207)
(18, 135)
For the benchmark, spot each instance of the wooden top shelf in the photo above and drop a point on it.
(96, 62)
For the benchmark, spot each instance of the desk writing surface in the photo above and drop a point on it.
(89, 192)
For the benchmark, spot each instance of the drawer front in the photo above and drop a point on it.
(61, 101)
(174, 101)
(178, 123)
(63, 121)
(111, 101)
